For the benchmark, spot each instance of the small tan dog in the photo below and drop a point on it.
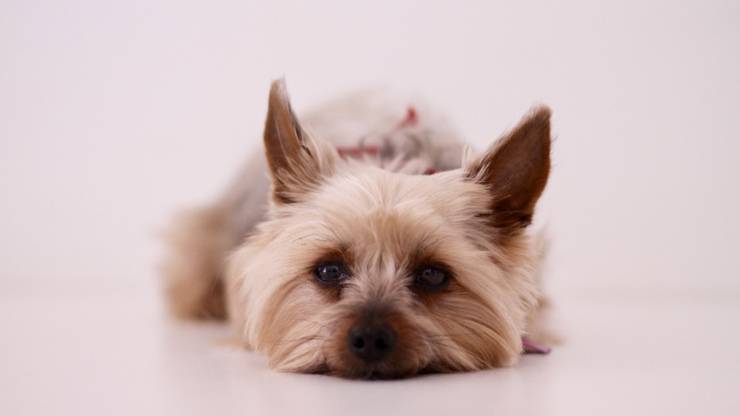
(386, 252)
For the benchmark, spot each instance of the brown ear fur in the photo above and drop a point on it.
(516, 169)
(297, 162)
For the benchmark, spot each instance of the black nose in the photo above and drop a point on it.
(371, 342)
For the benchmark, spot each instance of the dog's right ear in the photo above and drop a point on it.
(297, 162)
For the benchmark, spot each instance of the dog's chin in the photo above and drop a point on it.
(370, 372)
(383, 370)
(377, 372)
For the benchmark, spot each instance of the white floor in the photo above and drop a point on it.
(114, 114)
(116, 354)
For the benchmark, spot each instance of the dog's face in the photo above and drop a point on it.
(363, 272)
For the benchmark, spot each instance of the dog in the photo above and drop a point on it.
(370, 242)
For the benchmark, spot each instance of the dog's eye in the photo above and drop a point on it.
(431, 277)
(331, 273)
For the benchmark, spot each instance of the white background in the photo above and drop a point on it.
(115, 114)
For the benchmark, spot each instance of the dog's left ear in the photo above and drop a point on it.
(515, 170)
(298, 163)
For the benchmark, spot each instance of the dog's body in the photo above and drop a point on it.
(380, 246)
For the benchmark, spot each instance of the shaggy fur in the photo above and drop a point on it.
(376, 213)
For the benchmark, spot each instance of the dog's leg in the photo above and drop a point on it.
(201, 239)
(198, 242)
(539, 325)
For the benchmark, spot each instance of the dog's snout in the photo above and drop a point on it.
(371, 342)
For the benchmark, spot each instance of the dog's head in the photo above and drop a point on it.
(364, 272)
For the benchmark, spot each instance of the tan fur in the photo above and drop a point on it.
(194, 285)
(382, 224)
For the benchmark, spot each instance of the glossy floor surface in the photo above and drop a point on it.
(116, 354)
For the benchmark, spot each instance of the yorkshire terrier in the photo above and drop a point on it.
(378, 246)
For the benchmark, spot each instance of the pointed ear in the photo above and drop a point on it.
(515, 170)
(297, 162)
